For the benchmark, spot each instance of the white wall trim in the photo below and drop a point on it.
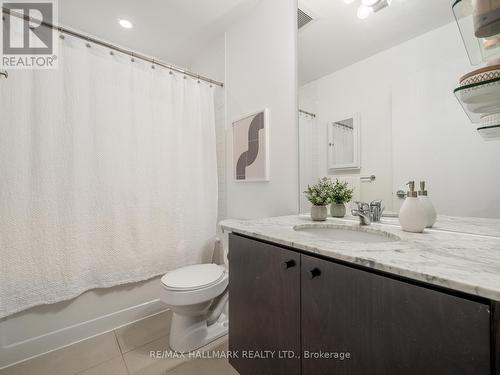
(36, 346)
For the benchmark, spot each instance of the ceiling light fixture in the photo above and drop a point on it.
(364, 11)
(125, 23)
(368, 7)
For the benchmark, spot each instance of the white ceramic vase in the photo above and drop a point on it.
(337, 210)
(319, 213)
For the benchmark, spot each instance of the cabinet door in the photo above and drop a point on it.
(264, 307)
(388, 326)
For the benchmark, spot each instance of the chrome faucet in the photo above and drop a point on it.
(376, 210)
(368, 213)
(363, 212)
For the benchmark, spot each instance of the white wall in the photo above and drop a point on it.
(412, 125)
(261, 73)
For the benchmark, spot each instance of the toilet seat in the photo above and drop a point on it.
(189, 278)
(192, 294)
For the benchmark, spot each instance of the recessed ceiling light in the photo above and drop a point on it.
(125, 24)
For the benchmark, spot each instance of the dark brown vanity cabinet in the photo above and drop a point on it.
(338, 319)
(389, 326)
(264, 311)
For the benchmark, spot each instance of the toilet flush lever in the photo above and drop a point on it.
(289, 264)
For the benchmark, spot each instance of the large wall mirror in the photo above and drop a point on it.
(380, 105)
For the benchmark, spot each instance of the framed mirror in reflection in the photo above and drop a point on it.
(343, 144)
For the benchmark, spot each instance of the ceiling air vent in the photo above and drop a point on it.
(303, 18)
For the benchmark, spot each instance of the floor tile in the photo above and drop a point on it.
(140, 362)
(144, 331)
(115, 366)
(204, 367)
(207, 366)
(70, 360)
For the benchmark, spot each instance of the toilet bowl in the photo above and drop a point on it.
(197, 296)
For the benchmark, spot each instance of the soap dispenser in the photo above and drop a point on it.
(412, 215)
(431, 213)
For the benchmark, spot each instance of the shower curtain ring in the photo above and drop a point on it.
(88, 43)
(132, 59)
(153, 64)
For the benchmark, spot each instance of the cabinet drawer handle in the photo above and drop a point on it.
(289, 264)
(315, 272)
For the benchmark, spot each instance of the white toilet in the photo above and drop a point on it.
(197, 296)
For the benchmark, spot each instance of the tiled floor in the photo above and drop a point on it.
(125, 351)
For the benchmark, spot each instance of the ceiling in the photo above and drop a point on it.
(170, 30)
(338, 38)
(177, 30)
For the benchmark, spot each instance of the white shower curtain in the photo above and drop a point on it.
(107, 175)
(309, 158)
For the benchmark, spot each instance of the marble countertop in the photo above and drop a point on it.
(465, 262)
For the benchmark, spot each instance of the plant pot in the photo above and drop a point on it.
(319, 213)
(337, 209)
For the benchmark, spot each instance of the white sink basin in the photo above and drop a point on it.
(336, 232)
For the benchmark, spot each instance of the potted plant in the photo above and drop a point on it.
(340, 195)
(319, 195)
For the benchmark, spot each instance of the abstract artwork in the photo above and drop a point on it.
(250, 147)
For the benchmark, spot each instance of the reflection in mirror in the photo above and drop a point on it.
(308, 149)
(343, 144)
(377, 99)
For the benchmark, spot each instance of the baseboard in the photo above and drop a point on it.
(35, 346)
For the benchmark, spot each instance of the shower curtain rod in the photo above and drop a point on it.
(344, 125)
(130, 53)
(307, 113)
